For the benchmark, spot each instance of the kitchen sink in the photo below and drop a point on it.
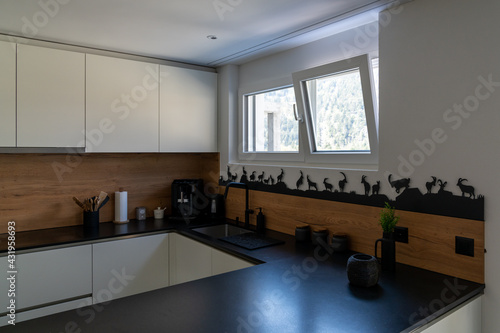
(222, 230)
(241, 237)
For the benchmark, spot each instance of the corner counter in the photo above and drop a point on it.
(295, 288)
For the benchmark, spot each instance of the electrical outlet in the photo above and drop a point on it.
(401, 234)
(464, 246)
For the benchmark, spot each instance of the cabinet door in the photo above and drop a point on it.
(189, 260)
(463, 320)
(50, 97)
(7, 94)
(129, 266)
(122, 105)
(188, 110)
(50, 276)
(223, 262)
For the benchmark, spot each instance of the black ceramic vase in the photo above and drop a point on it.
(363, 270)
(388, 251)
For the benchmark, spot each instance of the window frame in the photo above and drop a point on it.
(362, 63)
(275, 156)
(306, 156)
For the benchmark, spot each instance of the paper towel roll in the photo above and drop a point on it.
(121, 207)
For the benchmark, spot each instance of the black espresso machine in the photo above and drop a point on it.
(188, 199)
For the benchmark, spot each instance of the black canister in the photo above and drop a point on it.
(339, 243)
(302, 233)
(320, 236)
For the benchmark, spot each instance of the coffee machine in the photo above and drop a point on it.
(188, 199)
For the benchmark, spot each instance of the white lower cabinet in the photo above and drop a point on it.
(191, 260)
(223, 262)
(62, 276)
(466, 319)
(129, 266)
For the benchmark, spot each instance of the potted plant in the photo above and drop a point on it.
(388, 218)
(388, 221)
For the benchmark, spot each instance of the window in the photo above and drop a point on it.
(328, 116)
(271, 123)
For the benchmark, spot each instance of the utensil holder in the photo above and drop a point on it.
(91, 221)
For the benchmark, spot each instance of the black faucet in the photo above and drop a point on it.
(247, 210)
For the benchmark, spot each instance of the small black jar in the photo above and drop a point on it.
(302, 233)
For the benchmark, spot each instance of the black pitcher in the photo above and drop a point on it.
(388, 251)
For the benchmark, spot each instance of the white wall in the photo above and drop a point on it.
(432, 56)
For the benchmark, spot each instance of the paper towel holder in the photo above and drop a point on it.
(121, 209)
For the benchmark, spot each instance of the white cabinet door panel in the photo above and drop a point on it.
(189, 260)
(50, 276)
(122, 105)
(223, 262)
(7, 94)
(129, 266)
(50, 97)
(188, 110)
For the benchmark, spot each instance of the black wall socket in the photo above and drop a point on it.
(464, 246)
(401, 234)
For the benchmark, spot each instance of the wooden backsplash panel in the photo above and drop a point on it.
(431, 237)
(36, 196)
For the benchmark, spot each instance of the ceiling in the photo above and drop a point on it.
(178, 30)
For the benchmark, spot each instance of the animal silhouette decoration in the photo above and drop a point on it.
(311, 184)
(399, 184)
(376, 188)
(342, 182)
(442, 185)
(252, 176)
(366, 184)
(270, 180)
(229, 174)
(280, 176)
(431, 184)
(466, 188)
(328, 186)
(244, 171)
(300, 181)
(261, 177)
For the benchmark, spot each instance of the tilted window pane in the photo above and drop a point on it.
(338, 112)
(271, 126)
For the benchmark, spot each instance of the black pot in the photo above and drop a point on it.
(363, 270)
(339, 243)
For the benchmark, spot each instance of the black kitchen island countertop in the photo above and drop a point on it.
(296, 288)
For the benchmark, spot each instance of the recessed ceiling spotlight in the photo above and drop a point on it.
(212, 37)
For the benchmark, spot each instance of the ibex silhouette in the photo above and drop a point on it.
(328, 186)
(466, 188)
(342, 182)
(366, 184)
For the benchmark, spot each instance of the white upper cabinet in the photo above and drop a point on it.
(122, 105)
(188, 110)
(50, 97)
(7, 94)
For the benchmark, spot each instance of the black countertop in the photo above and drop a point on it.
(298, 288)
